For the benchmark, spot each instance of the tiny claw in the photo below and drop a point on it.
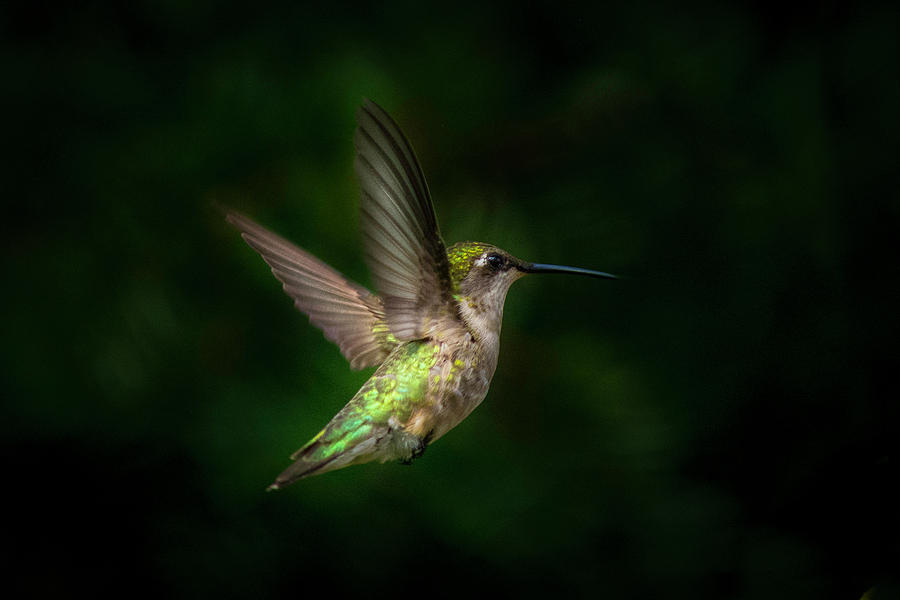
(273, 488)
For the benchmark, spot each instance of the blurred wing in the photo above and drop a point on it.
(350, 315)
(403, 245)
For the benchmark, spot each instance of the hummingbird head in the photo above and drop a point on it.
(478, 267)
(481, 275)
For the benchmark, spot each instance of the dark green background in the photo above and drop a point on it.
(719, 424)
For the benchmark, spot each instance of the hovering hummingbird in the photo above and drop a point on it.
(434, 330)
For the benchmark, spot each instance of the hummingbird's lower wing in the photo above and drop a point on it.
(349, 315)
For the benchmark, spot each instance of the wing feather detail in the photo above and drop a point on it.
(347, 313)
(403, 245)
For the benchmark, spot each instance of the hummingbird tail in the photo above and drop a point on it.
(319, 456)
(300, 469)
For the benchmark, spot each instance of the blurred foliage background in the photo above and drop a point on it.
(718, 424)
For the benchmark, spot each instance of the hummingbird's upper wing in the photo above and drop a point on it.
(403, 245)
(350, 315)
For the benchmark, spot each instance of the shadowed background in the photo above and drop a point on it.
(720, 423)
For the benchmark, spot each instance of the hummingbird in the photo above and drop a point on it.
(433, 328)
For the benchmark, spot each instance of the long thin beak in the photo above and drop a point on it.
(542, 268)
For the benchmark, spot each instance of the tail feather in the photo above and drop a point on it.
(309, 460)
(298, 470)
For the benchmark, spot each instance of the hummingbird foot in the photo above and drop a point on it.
(420, 448)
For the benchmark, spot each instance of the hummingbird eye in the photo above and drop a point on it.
(494, 261)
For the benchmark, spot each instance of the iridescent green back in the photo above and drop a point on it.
(395, 390)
